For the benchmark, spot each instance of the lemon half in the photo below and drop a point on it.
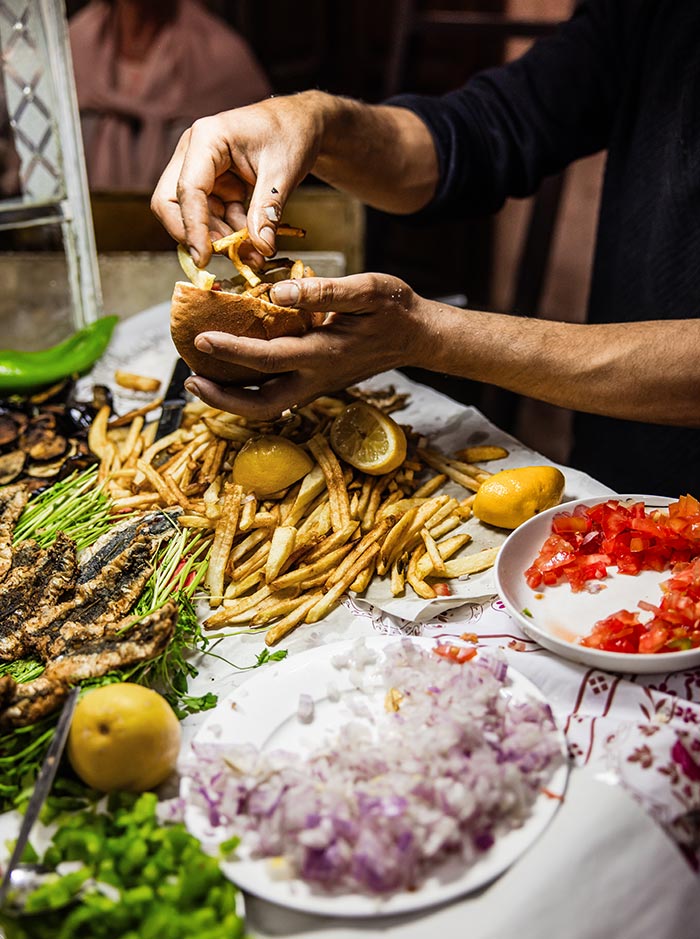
(368, 439)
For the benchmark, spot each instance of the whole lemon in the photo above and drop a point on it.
(123, 737)
(267, 463)
(511, 497)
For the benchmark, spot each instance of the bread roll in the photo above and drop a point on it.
(195, 311)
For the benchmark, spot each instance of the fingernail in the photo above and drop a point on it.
(267, 235)
(192, 387)
(203, 344)
(286, 294)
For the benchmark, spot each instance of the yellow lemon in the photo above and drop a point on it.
(511, 497)
(123, 737)
(368, 439)
(267, 463)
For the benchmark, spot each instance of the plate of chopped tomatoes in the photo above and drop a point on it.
(612, 583)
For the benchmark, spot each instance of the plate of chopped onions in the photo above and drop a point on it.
(375, 776)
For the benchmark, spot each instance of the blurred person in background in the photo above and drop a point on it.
(144, 71)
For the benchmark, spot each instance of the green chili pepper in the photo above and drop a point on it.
(24, 371)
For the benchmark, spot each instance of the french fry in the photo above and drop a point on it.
(312, 485)
(297, 270)
(329, 600)
(361, 582)
(376, 536)
(281, 546)
(213, 461)
(238, 588)
(195, 521)
(223, 540)
(248, 511)
(211, 499)
(145, 409)
(433, 553)
(395, 539)
(472, 563)
(228, 431)
(331, 542)
(306, 572)
(232, 610)
(481, 454)
(136, 382)
(423, 589)
(249, 543)
(177, 436)
(430, 486)
(398, 578)
(337, 490)
(276, 605)
(291, 620)
(446, 549)
(138, 501)
(97, 434)
(444, 465)
(255, 562)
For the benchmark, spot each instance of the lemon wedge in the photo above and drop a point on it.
(267, 463)
(368, 440)
(202, 279)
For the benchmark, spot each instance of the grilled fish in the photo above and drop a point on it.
(130, 641)
(12, 502)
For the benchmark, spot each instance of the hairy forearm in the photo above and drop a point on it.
(383, 155)
(637, 371)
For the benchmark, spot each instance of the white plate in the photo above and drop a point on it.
(561, 618)
(265, 715)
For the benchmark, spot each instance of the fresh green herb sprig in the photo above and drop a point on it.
(76, 506)
(137, 879)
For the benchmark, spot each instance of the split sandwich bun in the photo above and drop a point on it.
(196, 311)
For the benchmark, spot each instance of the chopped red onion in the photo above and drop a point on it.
(391, 796)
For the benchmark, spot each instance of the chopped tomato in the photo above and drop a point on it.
(584, 543)
(442, 589)
(675, 625)
(454, 653)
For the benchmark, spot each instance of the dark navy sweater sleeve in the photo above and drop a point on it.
(510, 126)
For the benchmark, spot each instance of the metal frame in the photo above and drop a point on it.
(44, 23)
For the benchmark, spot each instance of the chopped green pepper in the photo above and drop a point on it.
(24, 371)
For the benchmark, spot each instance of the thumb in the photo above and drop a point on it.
(357, 293)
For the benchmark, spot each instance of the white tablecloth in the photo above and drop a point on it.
(605, 868)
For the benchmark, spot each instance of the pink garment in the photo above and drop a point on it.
(133, 113)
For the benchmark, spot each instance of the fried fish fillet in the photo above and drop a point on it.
(129, 641)
(12, 502)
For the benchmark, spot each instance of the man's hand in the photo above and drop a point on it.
(260, 152)
(375, 323)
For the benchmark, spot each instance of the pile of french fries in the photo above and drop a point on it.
(288, 559)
